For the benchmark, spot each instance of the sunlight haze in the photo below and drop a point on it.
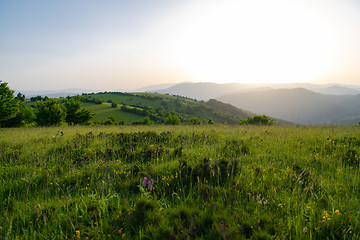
(125, 45)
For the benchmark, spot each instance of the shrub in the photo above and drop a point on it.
(257, 120)
(49, 113)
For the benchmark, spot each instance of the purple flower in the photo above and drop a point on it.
(144, 182)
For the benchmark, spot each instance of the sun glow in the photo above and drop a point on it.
(244, 41)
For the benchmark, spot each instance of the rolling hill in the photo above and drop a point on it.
(130, 107)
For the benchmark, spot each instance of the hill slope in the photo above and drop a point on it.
(136, 106)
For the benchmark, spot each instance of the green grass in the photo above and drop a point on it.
(209, 182)
(136, 99)
(104, 110)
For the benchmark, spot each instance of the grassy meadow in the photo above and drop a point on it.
(180, 182)
(104, 110)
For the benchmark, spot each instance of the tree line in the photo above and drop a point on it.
(47, 111)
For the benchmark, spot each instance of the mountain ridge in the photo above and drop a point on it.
(206, 90)
(299, 105)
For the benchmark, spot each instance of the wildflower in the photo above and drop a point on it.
(144, 182)
(120, 231)
(337, 211)
(148, 183)
(77, 234)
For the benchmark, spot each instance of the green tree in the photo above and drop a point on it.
(37, 98)
(147, 121)
(9, 107)
(110, 120)
(195, 121)
(75, 114)
(20, 97)
(16, 121)
(25, 116)
(28, 115)
(172, 120)
(113, 104)
(210, 122)
(49, 113)
(258, 120)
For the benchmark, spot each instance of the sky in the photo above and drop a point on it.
(125, 45)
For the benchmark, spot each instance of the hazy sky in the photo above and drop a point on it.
(117, 45)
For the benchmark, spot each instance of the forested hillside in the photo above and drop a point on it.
(158, 107)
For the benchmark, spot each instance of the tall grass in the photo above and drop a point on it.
(204, 182)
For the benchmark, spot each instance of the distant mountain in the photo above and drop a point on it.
(206, 91)
(203, 91)
(151, 88)
(337, 90)
(300, 106)
(57, 93)
(302, 103)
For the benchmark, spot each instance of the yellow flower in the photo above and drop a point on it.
(77, 234)
(337, 211)
(120, 231)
